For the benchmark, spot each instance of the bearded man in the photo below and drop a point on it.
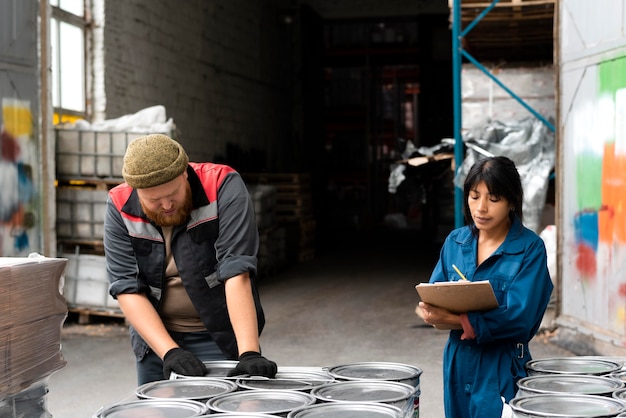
(180, 243)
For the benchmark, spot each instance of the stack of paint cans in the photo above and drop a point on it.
(583, 387)
(377, 390)
(407, 398)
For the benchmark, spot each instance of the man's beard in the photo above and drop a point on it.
(178, 218)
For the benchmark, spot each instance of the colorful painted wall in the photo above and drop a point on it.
(593, 170)
(20, 159)
(18, 163)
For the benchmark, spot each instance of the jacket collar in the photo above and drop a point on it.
(513, 243)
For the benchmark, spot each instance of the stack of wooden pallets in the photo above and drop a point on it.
(293, 211)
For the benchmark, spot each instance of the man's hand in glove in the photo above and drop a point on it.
(182, 362)
(254, 364)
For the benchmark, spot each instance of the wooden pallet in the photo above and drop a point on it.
(86, 314)
(283, 179)
(293, 193)
(306, 255)
(77, 246)
(513, 30)
(466, 4)
(92, 183)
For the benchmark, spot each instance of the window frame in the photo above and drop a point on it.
(85, 24)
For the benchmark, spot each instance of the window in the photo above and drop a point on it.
(68, 34)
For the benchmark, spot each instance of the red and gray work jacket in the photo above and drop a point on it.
(219, 241)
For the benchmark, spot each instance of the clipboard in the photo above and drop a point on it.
(459, 296)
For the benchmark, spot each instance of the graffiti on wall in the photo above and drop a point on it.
(596, 137)
(18, 155)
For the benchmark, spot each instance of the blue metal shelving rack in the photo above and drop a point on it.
(458, 53)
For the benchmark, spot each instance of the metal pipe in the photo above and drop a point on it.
(456, 105)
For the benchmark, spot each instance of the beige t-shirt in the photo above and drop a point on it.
(177, 311)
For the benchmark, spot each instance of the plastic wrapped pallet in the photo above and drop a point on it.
(92, 154)
(86, 283)
(88, 151)
(484, 100)
(32, 312)
(264, 200)
(80, 213)
(29, 403)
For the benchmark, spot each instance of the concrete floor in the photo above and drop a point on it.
(354, 302)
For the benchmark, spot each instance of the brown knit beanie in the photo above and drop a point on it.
(153, 160)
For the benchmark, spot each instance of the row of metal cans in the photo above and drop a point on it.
(373, 389)
(579, 386)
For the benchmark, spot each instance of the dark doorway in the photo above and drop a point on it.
(369, 87)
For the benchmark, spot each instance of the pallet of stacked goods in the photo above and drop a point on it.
(32, 312)
(80, 226)
(293, 211)
(272, 252)
(88, 164)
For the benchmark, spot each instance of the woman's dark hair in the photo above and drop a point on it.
(501, 178)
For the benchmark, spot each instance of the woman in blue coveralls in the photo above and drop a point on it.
(483, 361)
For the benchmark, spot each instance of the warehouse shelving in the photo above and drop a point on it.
(511, 25)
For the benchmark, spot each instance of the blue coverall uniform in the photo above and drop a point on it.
(478, 372)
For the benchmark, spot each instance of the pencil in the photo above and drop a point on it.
(459, 272)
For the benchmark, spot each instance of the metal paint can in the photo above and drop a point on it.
(619, 375)
(200, 389)
(234, 415)
(383, 371)
(347, 410)
(387, 371)
(568, 383)
(396, 394)
(616, 359)
(572, 365)
(272, 402)
(165, 408)
(620, 394)
(215, 369)
(566, 405)
(300, 380)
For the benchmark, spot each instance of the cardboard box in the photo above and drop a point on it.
(32, 312)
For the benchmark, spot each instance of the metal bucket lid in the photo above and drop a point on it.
(363, 391)
(215, 369)
(264, 401)
(194, 389)
(573, 365)
(287, 380)
(566, 405)
(166, 408)
(620, 394)
(570, 383)
(347, 410)
(376, 371)
(619, 375)
(235, 415)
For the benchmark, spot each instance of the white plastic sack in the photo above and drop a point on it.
(150, 119)
(549, 238)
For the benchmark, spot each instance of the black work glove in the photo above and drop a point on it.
(182, 362)
(254, 364)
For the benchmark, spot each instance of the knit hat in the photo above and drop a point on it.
(153, 160)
